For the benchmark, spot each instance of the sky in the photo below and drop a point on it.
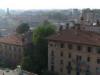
(49, 4)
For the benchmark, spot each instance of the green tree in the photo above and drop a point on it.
(5, 64)
(22, 28)
(39, 55)
(41, 44)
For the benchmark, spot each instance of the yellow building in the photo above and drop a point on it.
(74, 52)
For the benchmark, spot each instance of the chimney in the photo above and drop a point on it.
(67, 26)
(60, 28)
(77, 26)
(97, 22)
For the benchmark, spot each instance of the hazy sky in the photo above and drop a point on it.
(49, 4)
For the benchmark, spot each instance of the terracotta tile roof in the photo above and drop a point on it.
(11, 39)
(76, 36)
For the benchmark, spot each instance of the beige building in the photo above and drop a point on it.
(74, 52)
(11, 48)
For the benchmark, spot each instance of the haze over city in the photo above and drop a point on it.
(49, 4)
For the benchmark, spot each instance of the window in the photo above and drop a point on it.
(70, 46)
(52, 67)
(69, 68)
(79, 48)
(98, 50)
(69, 55)
(61, 69)
(52, 57)
(78, 58)
(69, 63)
(61, 61)
(51, 44)
(61, 54)
(97, 69)
(98, 61)
(88, 59)
(52, 53)
(89, 49)
(62, 45)
(52, 60)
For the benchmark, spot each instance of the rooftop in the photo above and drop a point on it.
(11, 39)
(14, 72)
(76, 36)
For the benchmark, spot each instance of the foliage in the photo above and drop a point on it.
(41, 44)
(42, 31)
(24, 27)
(4, 64)
(38, 56)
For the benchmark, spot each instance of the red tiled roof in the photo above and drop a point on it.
(77, 36)
(12, 39)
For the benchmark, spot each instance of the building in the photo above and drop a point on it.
(12, 47)
(74, 52)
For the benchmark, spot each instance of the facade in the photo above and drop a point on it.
(74, 52)
(11, 48)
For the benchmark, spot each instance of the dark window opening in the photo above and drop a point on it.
(51, 44)
(52, 60)
(98, 50)
(89, 49)
(69, 55)
(70, 46)
(61, 61)
(61, 69)
(79, 48)
(98, 61)
(69, 68)
(88, 59)
(52, 67)
(52, 53)
(78, 58)
(61, 54)
(62, 45)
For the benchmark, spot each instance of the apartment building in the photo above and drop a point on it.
(11, 48)
(74, 52)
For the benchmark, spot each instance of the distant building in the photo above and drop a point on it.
(8, 12)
